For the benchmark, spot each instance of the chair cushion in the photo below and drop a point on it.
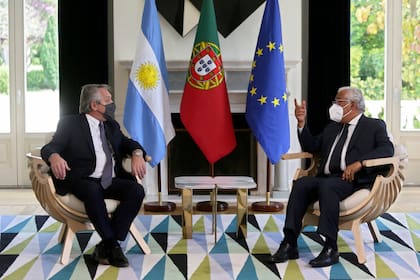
(351, 201)
(74, 203)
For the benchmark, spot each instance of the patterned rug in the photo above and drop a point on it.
(29, 250)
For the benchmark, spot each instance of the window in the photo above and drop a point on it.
(42, 97)
(4, 68)
(368, 58)
(37, 42)
(410, 71)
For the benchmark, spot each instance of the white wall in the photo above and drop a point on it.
(239, 46)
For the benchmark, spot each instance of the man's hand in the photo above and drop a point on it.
(138, 167)
(59, 166)
(300, 113)
(351, 170)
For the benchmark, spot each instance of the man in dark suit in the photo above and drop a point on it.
(85, 156)
(344, 143)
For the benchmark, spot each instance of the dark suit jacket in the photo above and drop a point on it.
(73, 141)
(369, 140)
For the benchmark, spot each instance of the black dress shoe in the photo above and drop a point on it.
(327, 257)
(284, 253)
(100, 254)
(116, 257)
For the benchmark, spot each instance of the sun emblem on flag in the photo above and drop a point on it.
(147, 75)
(206, 70)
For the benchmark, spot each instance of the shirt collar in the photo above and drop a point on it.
(355, 120)
(92, 121)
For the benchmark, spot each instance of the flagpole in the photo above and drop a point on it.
(267, 205)
(159, 205)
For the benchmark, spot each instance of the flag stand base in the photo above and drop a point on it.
(207, 206)
(267, 205)
(159, 206)
(264, 206)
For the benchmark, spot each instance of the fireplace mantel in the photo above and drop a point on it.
(237, 76)
(181, 65)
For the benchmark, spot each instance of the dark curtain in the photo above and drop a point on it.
(328, 57)
(83, 48)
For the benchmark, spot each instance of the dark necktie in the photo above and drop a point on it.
(106, 179)
(335, 159)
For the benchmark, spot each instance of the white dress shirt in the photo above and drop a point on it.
(352, 125)
(97, 145)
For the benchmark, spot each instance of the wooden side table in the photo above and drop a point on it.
(242, 184)
(187, 184)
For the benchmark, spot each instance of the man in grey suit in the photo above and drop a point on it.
(344, 143)
(85, 156)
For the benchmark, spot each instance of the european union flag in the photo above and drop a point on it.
(266, 103)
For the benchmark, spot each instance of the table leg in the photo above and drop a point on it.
(187, 213)
(242, 212)
(214, 198)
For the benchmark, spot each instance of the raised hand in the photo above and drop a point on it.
(300, 113)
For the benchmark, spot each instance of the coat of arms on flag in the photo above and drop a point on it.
(205, 108)
(205, 67)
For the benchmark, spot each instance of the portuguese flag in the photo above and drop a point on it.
(205, 110)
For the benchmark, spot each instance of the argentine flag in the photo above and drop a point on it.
(147, 117)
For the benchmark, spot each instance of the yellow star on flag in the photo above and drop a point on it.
(271, 46)
(262, 99)
(253, 91)
(281, 48)
(276, 102)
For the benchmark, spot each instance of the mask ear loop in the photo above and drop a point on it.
(346, 114)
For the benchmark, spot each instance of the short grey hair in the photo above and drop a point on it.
(356, 97)
(89, 93)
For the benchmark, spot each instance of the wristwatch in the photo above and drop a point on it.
(138, 153)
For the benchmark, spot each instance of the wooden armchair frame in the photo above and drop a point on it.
(72, 219)
(366, 205)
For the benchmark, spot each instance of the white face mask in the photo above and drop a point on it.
(336, 112)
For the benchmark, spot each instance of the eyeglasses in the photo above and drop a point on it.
(341, 101)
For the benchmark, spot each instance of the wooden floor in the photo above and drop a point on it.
(23, 202)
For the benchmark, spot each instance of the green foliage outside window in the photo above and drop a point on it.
(368, 56)
(411, 52)
(48, 55)
(367, 48)
(41, 43)
(4, 79)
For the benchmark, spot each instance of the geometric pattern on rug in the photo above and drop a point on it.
(29, 250)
